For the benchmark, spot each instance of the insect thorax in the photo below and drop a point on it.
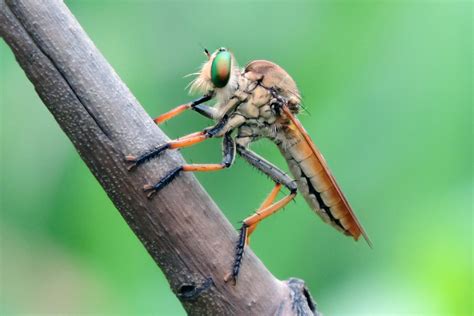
(263, 116)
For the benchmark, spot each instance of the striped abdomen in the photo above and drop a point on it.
(317, 185)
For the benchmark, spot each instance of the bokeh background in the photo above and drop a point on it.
(388, 88)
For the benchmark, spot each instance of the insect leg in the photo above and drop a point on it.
(185, 141)
(273, 172)
(224, 125)
(249, 226)
(203, 109)
(266, 209)
(267, 202)
(267, 168)
(263, 213)
(228, 152)
(206, 111)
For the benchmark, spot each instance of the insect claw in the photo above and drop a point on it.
(150, 194)
(150, 189)
(229, 276)
(131, 167)
(132, 162)
(147, 187)
(131, 158)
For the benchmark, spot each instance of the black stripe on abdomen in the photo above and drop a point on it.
(321, 203)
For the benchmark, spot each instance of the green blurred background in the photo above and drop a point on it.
(388, 88)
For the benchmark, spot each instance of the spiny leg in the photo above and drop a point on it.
(266, 209)
(228, 150)
(266, 167)
(203, 109)
(266, 203)
(263, 213)
(185, 141)
(194, 105)
(225, 125)
(249, 226)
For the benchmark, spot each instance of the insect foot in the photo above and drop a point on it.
(153, 189)
(135, 161)
(239, 254)
(131, 161)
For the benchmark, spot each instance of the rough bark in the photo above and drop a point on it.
(181, 227)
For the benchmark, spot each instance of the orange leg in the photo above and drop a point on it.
(180, 109)
(268, 208)
(228, 151)
(182, 142)
(153, 189)
(267, 202)
(188, 140)
(170, 114)
(190, 135)
(217, 130)
(204, 167)
(250, 223)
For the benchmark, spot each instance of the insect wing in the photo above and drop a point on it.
(350, 216)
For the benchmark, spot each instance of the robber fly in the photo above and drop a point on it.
(259, 101)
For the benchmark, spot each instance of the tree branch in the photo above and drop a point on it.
(182, 228)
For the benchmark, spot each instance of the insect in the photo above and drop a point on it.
(258, 101)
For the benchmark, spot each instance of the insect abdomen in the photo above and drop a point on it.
(318, 189)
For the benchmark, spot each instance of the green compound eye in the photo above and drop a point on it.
(220, 69)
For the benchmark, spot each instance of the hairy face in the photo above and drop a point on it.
(219, 73)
